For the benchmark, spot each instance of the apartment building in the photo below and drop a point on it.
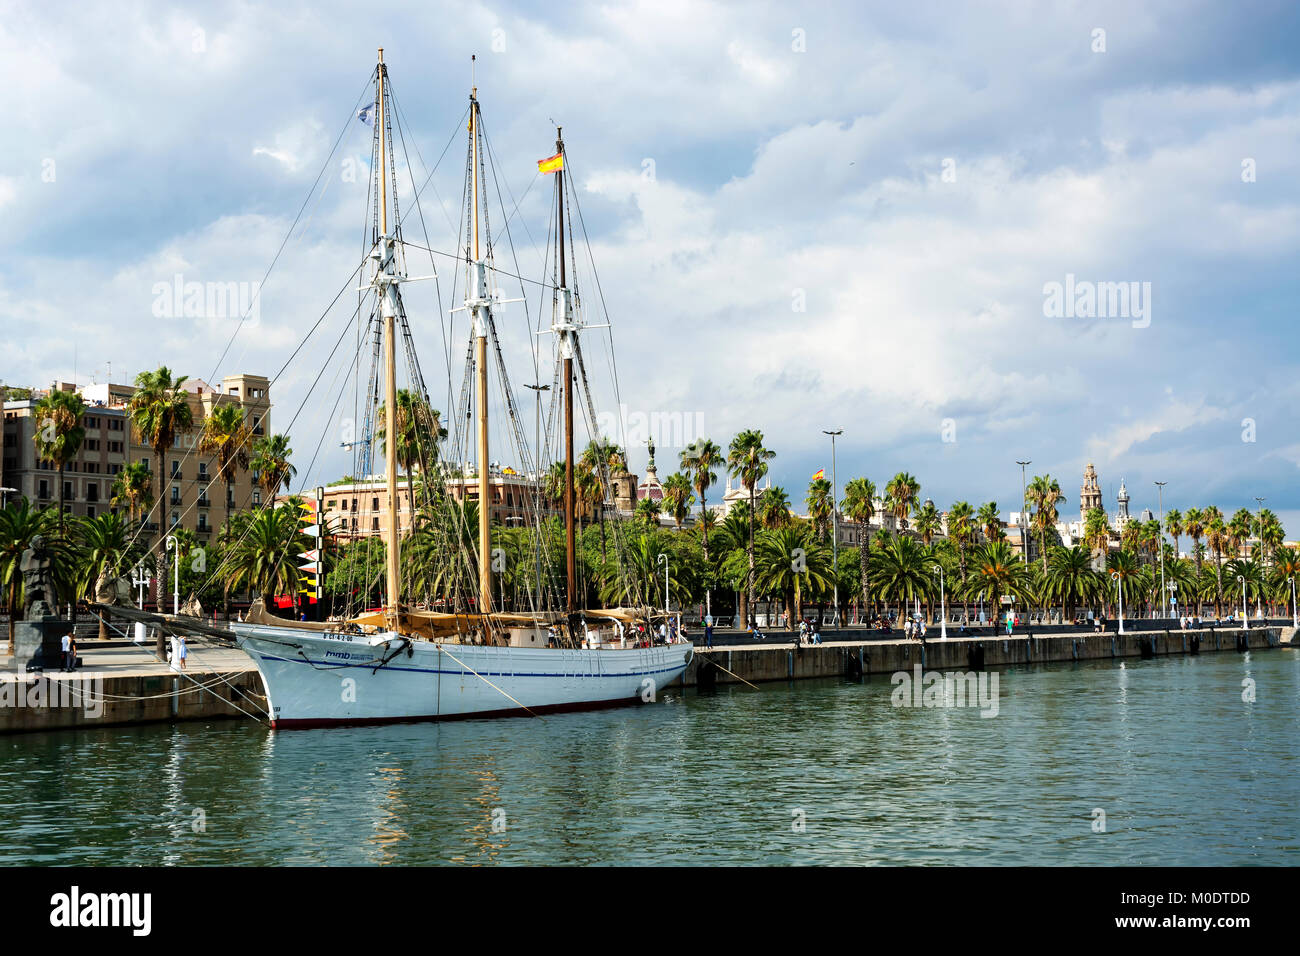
(188, 496)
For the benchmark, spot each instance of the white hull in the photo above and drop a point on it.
(314, 678)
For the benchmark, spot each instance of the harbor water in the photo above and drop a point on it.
(1182, 761)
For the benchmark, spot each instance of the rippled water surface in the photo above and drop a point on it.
(1185, 770)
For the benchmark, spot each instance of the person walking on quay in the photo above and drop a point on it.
(182, 652)
(708, 633)
(1010, 623)
(69, 647)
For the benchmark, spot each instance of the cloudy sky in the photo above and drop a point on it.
(804, 218)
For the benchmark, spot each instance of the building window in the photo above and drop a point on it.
(67, 492)
(176, 495)
(176, 468)
(176, 519)
(374, 504)
(92, 491)
(257, 497)
(203, 521)
(43, 490)
(374, 524)
(90, 511)
(203, 469)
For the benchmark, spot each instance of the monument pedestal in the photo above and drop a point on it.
(39, 643)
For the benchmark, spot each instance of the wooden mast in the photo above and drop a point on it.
(480, 362)
(389, 312)
(570, 539)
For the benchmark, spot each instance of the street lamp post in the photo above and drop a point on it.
(1245, 617)
(140, 578)
(1160, 492)
(664, 558)
(174, 545)
(1024, 538)
(943, 607)
(1119, 587)
(1294, 622)
(835, 529)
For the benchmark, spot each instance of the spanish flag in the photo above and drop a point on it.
(551, 164)
(821, 473)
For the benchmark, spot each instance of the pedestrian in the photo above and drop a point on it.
(69, 645)
(182, 651)
(1010, 623)
(708, 634)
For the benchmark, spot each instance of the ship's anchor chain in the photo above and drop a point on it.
(404, 645)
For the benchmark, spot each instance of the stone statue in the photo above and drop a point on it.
(37, 567)
(651, 443)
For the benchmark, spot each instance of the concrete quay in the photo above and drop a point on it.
(122, 683)
(774, 660)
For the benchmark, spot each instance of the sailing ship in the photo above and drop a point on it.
(403, 662)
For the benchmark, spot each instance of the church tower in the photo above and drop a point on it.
(1090, 493)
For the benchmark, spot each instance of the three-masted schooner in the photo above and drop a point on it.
(402, 663)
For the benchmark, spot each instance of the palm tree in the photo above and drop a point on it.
(59, 432)
(133, 488)
(1096, 532)
(1070, 578)
(1043, 493)
(961, 528)
(900, 572)
(160, 413)
(901, 491)
(419, 429)
(1240, 529)
(270, 461)
(699, 460)
(1216, 536)
(820, 506)
(263, 558)
(105, 544)
(990, 523)
(774, 508)
(647, 510)
(1194, 525)
(860, 507)
(598, 459)
(225, 437)
(995, 571)
(747, 459)
(1122, 567)
(927, 523)
(792, 563)
(678, 497)
(1174, 525)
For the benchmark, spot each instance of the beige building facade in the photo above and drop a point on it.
(189, 494)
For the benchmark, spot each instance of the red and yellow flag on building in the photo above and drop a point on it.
(551, 164)
(821, 473)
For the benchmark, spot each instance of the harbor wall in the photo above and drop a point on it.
(852, 659)
(59, 701)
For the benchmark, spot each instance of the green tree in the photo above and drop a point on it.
(225, 437)
(160, 413)
(900, 493)
(747, 459)
(59, 432)
(860, 508)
